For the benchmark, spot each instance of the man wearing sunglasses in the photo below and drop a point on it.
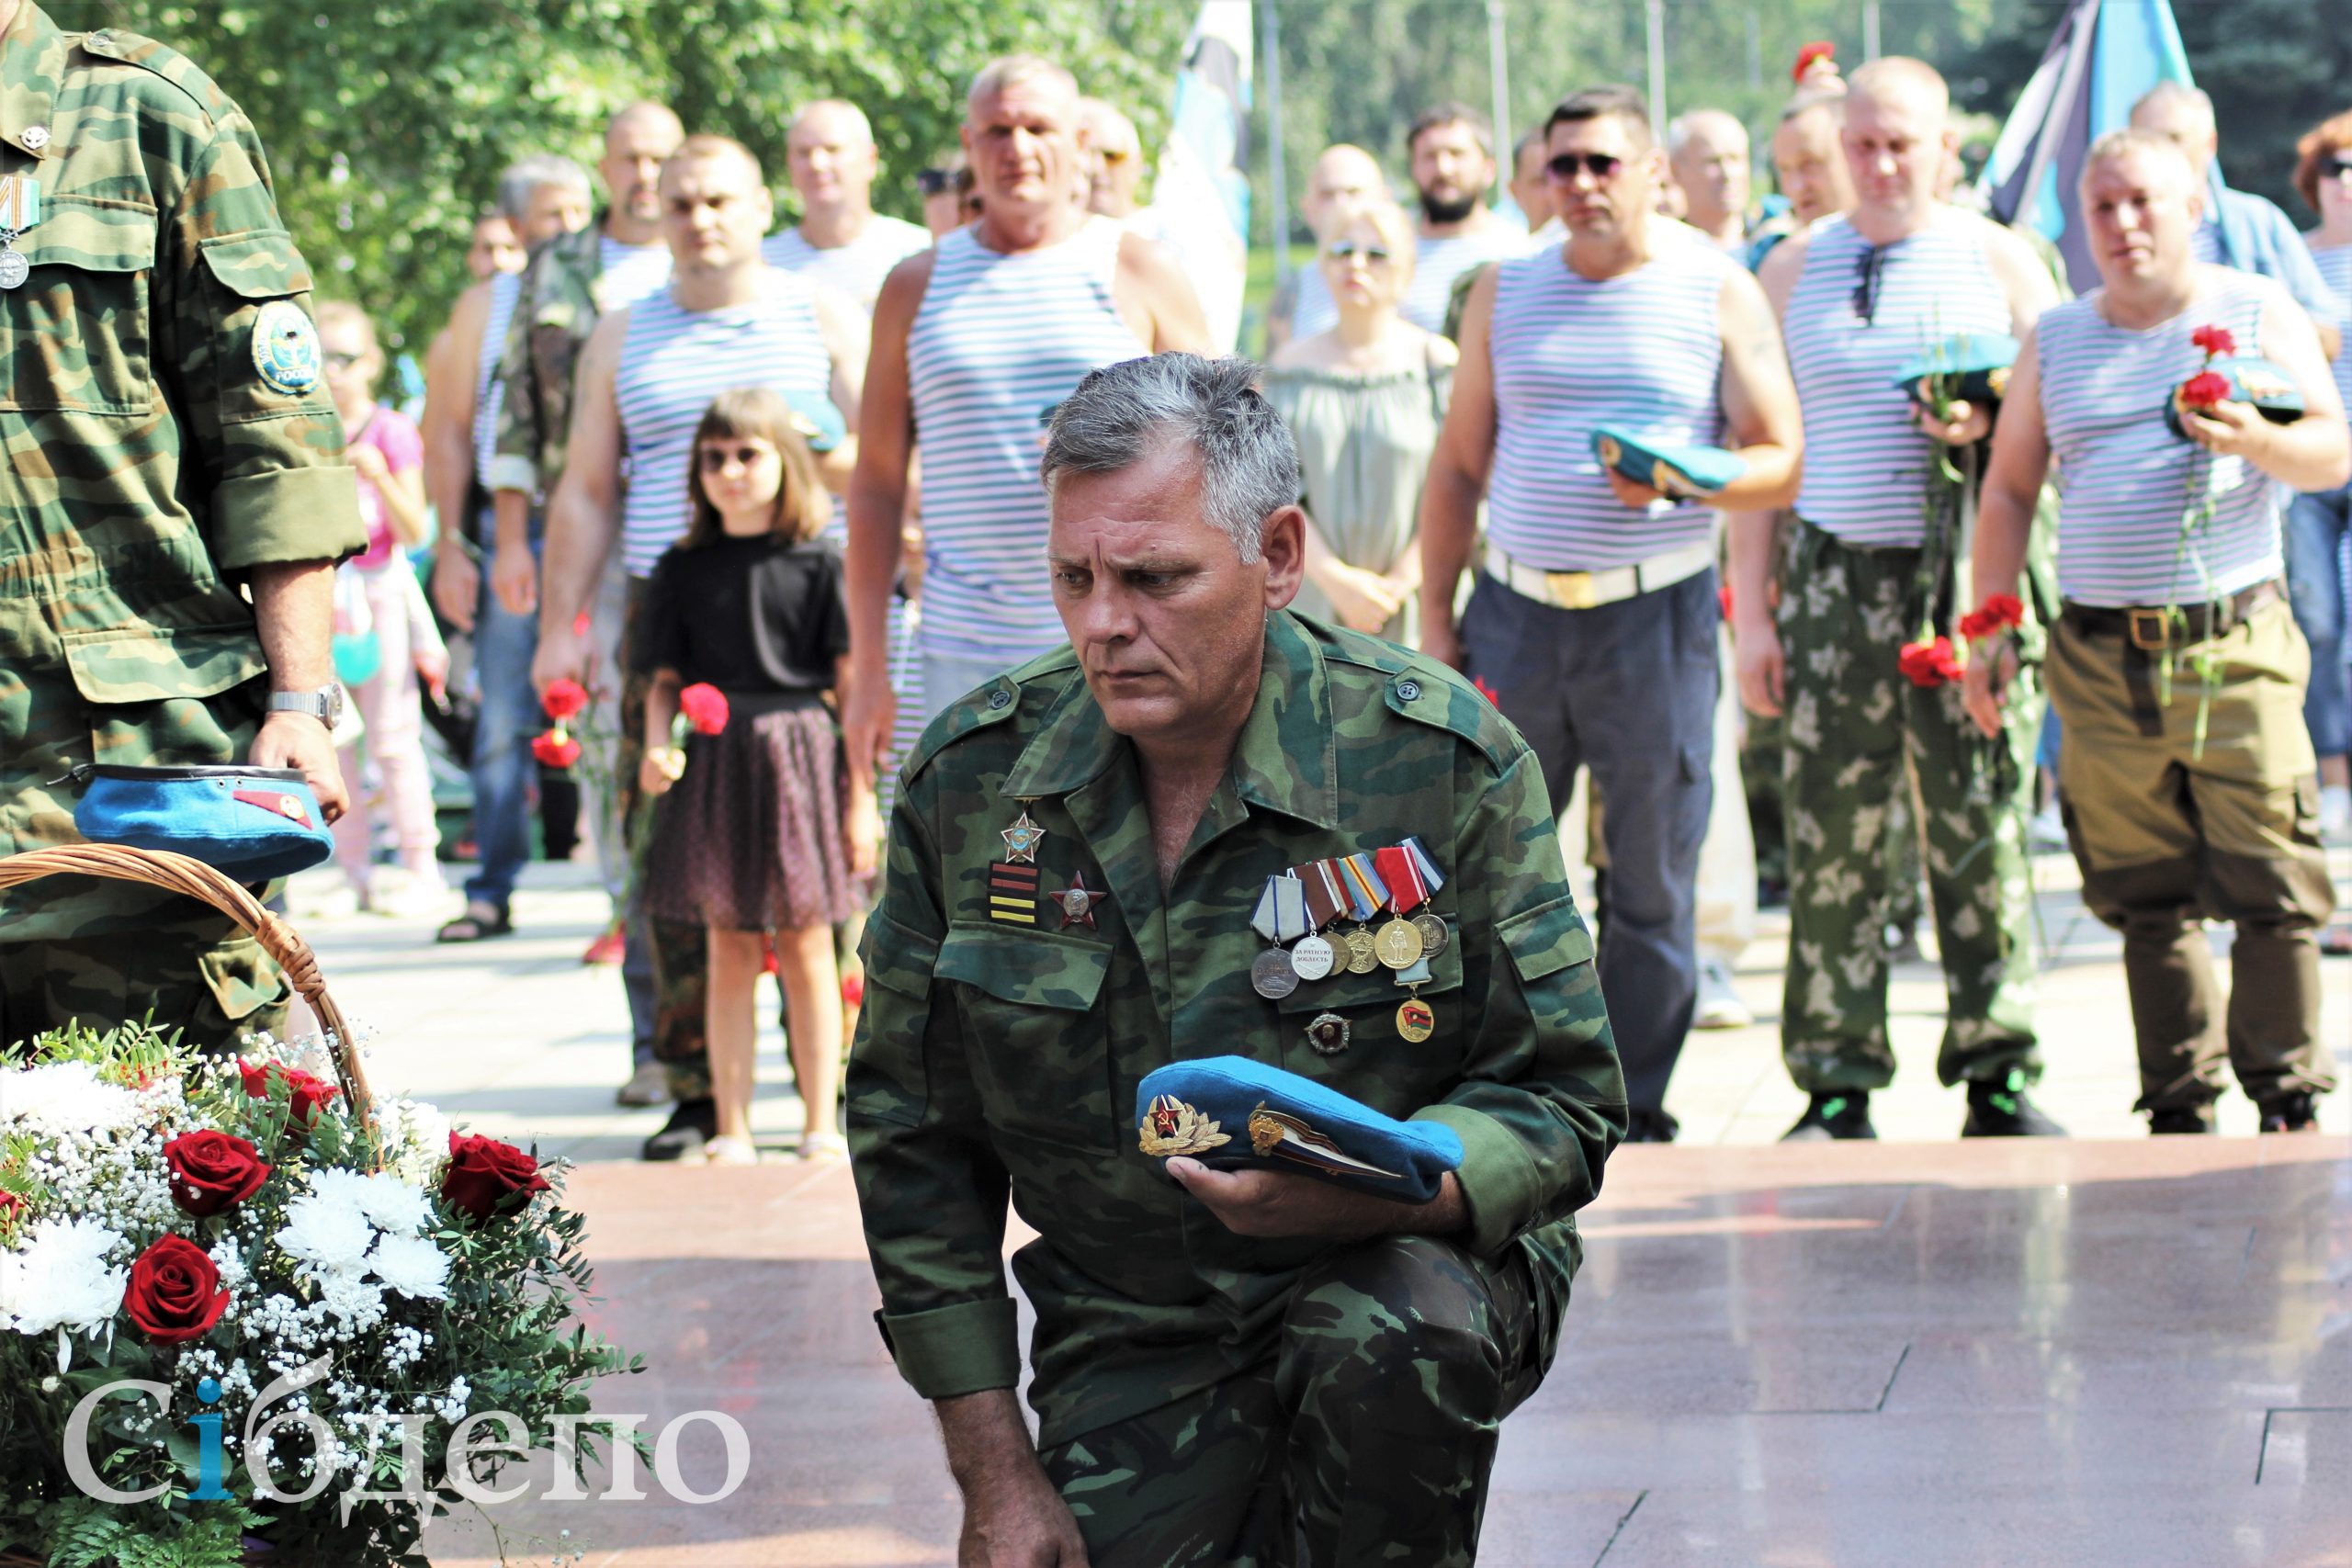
(1869, 570)
(841, 241)
(1595, 615)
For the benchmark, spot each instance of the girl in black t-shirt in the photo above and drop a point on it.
(770, 835)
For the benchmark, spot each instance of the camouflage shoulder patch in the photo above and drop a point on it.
(161, 59)
(1049, 675)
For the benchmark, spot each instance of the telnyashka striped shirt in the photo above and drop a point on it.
(999, 340)
(1438, 262)
(1643, 351)
(490, 388)
(673, 362)
(2336, 268)
(1866, 465)
(856, 269)
(2125, 481)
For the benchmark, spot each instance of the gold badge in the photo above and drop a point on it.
(1277, 1134)
(1172, 1127)
(1415, 1021)
(1021, 841)
(1999, 379)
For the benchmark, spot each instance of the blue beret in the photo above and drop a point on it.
(819, 422)
(252, 823)
(1236, 1114)
(1684, 473)
(1975, 365)
(2267, 387)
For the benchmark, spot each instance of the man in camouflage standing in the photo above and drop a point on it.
(169, 443)
(1232, 1367)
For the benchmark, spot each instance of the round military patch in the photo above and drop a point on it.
(285, 347)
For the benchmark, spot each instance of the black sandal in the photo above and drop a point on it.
(472, 926)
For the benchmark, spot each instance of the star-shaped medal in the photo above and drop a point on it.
(1021, 841)
(1077, 902)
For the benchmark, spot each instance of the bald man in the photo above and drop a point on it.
(1859, 294)
(2239, 229)
(841, 241)
(1113, 159)
(1344, 176)
(1707, 149)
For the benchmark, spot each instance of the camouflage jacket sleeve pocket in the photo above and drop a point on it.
(887, 1079)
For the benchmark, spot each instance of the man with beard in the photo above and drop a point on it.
(1452, 152)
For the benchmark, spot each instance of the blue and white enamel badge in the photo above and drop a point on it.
(285, 347)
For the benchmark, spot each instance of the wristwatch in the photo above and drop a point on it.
(325, 705)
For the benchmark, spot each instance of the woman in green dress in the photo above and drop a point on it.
(1364, 401)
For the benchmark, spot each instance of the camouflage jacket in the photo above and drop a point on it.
(150, 465)
(562, 297)
(999, 1060)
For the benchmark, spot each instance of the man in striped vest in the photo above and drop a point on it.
(1868, 572)
(1594, 619)
(974, 342)
(2189, 781)
(726, 319)
(840, 241)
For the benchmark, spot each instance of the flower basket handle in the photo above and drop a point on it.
(192, 878)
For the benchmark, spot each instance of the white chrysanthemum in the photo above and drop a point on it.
(60, 1277)
(65, 1097)
(393, 1205)
(411, 1265)
(344, 1189)
(352, 1297)
(329, 1235)
(418, 1136)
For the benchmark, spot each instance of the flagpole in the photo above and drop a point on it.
(1657, 71)
(1278, 215)
(1869, 29)
(1496, 59)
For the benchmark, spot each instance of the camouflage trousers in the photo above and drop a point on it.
(1366, 1440)
(195, 972)
(681, 952)
(1861, 737)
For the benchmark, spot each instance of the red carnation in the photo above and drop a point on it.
(1486, 690)
(563, 698)
(1998, 611)
(307, 1094)
(1819, 50)
(555, 749)
(212, 1171)
(2205, 389)
(175, 1293)
(704, 706)
(1930, 664)
(10, 1204)
(483, 1174)
(2216, 342)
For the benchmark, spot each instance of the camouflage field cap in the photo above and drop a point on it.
(1680, 473)
(1971, 367)
(252, 823)
(1232, 1113)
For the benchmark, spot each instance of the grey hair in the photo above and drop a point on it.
(2177, 95)
(1122, 413)
(524, 175)
(1003, 72)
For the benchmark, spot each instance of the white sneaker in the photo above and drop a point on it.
(2334, 809)
(1719, 1004)
(730, 1151)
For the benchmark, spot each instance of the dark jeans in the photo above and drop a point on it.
(1627, 690)
(503, 768)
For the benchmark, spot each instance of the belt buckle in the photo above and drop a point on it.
(1570, 590)
(2145, 640)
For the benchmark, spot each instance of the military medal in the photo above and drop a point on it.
(1366, 893)
(1327, 1034)
(1416, 1020)
(1314, 957)
(1021, 839)
(1399, 943)
(1077, 902)
(1281, 916)
(19, 210)
(1427, 921)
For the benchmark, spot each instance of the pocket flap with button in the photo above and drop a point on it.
(260, 264)
(1546, 940)
(92, 236)
(898, 959)
(1032, 968)
(156, 664)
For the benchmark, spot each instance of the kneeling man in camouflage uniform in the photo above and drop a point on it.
(2189, 781)
(1231, 1367)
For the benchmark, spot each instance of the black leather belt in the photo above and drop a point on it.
(2150, 627)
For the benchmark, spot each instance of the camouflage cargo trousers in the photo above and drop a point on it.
(680, 951)
(1855, 726)
(1366, 1440)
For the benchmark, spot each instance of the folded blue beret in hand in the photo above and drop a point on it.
(2267, 387)
(1232, 1113)
(816, 419)
(1975, 367)
(1683, 473)
(252, 823)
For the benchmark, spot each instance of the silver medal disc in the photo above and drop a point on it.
(14, 269)
(1271, 975)
(1312, 958)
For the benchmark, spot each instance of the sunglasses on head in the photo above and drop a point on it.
(1347, 250)
(1868, 271)
(1568, 165)
(714, 459)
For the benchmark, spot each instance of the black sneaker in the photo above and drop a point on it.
(1842, 1114)
(2181, 1120)
(1650, 1127)
(2297, 1111)
(692, 1124)
(1998, 1108)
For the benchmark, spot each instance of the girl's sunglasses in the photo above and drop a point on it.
(1568, 165)
(714, 459)
(1347, 250)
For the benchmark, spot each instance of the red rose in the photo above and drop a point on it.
(2204, 390)
(307, 1095)
(175, 1293)
(483, 1174)
(1929, 664)
(563, 698)
(2216, 342)
(212, 1171)
(704, 706)
(555, 749)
